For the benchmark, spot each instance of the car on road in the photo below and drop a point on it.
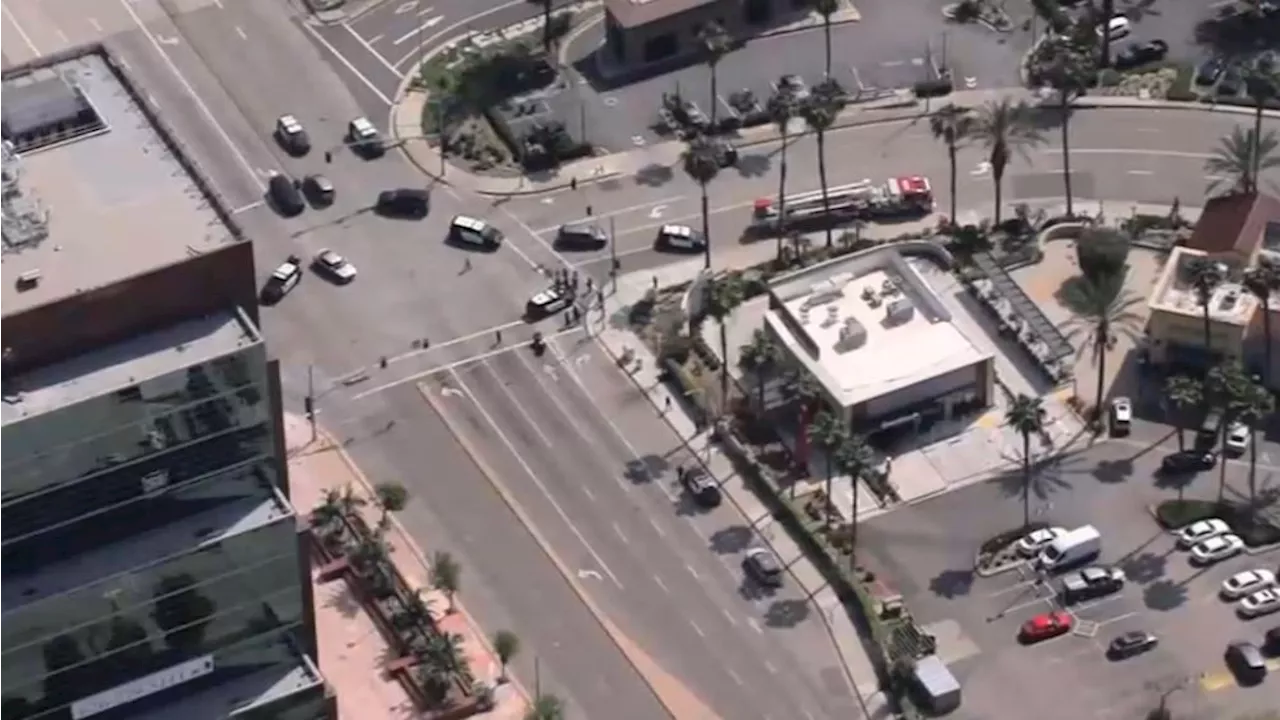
(1215, 550)
(413, 203)
(1262, 602)
(1091, 582)
(1189, 461)
(547, 303)
(292, 136)
(364, 138)
(1201, 530)
(700, 486)
(1247, 583)
(319, 190)
(283, 279)
(1037, 540)
(680, 238)
(333, 266)
(1210, 70)
(1246, 662)
(1119, 26)
(1046, 625)
(1121, 416)
(1238, 438)
(1271, 641)
(582, 236)
(282, 190)
(1134, 642)
(1137, 54)
(473, 232)
(763, 566)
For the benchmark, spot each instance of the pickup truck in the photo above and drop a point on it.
(1091, 582)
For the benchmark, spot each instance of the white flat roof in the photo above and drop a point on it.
(895, 354)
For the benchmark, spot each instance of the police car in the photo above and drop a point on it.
(680, 238)
(364, 138)
(283, 279)
(291, 135)
(466, 230)
(547, 303)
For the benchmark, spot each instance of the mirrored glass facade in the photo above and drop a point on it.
(145, 527)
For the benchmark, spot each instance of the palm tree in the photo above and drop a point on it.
(1004, 127)
(1236, 157)
(1263, 280)
(416, 612)
(701, 160)
(391, 496)
(759, 358)
(724, 295)
(828, 433)
(1206, 276)
(820, 111)
(545, 707)
(1026, 416)
(1251, 408)
(442, 659)
(371, 553)
(1231, 390)
(782, 107)
(350, 502)
(446, 576)
(717, 44)
(1102, 310)
(1262, 82)
(506, 645)
(826, 8)
(328, 512)
(952, 125)
(968, 241)
(854, 458)
(1069, 72)
(1183, 394)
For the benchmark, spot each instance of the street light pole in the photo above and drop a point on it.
(613, 255)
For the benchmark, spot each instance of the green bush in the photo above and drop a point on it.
(1254, 529)
(1180, 90)
(1007, 538)
(1108, 78)
(1172, 514)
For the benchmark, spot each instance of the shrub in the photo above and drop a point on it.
(1007, 538)
(1173, 514)
(1255, 530)
(1108, 78)
(1180, 90)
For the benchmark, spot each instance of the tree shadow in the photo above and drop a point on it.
(753, 165)
(1164, 595)
(685, 505)
(786, 613)
(654, 175)
(1110, 472)
(344, 601)
(1145, 567)
(730, 540)
(1071, 295)
(609, 184)
(1046, 479)
(638, 471)
(1177, 482)
(951, 584)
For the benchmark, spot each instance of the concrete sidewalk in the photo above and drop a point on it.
(352, 651)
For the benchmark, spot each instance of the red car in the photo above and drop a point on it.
(1047, 625)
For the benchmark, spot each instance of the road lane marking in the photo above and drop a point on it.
(1117, 618)
(734, 675)
(425, 11)
(614, 213)
(657, 528)
(755, 625)
(405, 7)
(697, 629)
(1140, 172)
(247, 208)
(587, 491)
(374, 40)
(469, 21)
(732, 620)
(369, 48)
(168, 61)
(661, 584)
(93, 23)
(1023, 586)
(533, 476)
(1022, 606)
(692, 572)
(621, 535)
(240, 32)
(769, 666)
(218, 4)
(1128, 151)
(422, 27)
(62, 36)
(519, 407)
(21, 33)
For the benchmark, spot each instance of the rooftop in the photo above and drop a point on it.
(1175, 291)
(634, 13)
(126, 363)
(95, 204)
(876, 324)
(1235, 223)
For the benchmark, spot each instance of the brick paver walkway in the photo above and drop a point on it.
(352, 651)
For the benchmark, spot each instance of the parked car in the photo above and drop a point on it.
(292, 136)
(1140, 54)
(283, 279)
(1091, 582)
(1046, 625)
(1238, 438)
(763, 567)
(1217, 549)
(700, 486)
(283, 193)
(1189, 461)
(1246, 662)
(1134, 642)
(1247, 583)
(1201, 530)
(1119, 26)
(1037, 540)
(333, 266)
(1271, 641)
(1210, 70)
(1231, 84)
(404, 203)
(1262, 602)
(1121, 416)
(319, 190)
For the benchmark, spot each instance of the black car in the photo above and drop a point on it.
(1210, 70)
(1140, 54)
(763, 567)
(319, 190)
(1187, 461)
(1271, 641)
(1246, 662)
(404, 202)
(1134, 642)
(1091, 582)
(284, 195)
(547, 303)
(581, 236)
(700, 486)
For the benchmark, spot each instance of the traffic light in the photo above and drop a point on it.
(309, 403)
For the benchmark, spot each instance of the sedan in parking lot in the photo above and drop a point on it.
(1091, 582)
(1140, 54)
(1238, 437)
(1198, 532)
(1036, 540)
(1046, 625)
(334, 266)
(1131, 643)
(1216, 549)
(1263, 602)
(1247, 583)
(1189, 461)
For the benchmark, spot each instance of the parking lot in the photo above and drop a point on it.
(925, 552)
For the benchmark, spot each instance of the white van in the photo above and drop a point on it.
(1077, 546)
(470, 231)
(1120, 28)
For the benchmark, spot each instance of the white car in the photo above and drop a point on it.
(291, 135)
(1263, 602)
(364, 136)
(1121, 415)
(333, 265)
(1238, 438)
(680, 237)
(1217, 549)
(1198, 532)
(1037, 540)
(1247, 583)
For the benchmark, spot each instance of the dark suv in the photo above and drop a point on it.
(581, 236)
(1246, 662)
(700, 486)
(404, 202)
(1189, 461)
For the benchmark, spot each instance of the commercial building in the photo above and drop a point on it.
(153, 566)
(879, 341)
(640, 33)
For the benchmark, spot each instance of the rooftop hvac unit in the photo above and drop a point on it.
(833, 316)
(1228, 300)
(852, 335)
(899, 311)
(804, 315)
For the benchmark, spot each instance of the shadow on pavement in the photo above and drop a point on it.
(786, 613)
(732, 539)
(951, 584)
(751, 590)
(1110, 472)
(1164, 595)
(1145, 567)
(753, 165)
(654, 175)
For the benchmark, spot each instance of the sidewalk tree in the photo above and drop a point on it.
(828, 433)
(952, 125)
(759, 358)
(854, 458)
(1102, 311)
(1183, 394)
(701, 162)
(1205, 278)
(392, 497)
(1251, 409)
(826, 8)
(1103, 252)
(371, 554)
(327, 517)
(1232, 391)
(1026, 415)
(506, 645)
(782, 108)
(820, 111)
(1262, 84)
(1263, 281)
(415, 613)
(1236, 156)
(1058, 64)
(446, 576)
(724, 295)
(717, 43)
(349, 502)
(442, 660)
(1004, 127)
(545, 707)
(181, 612)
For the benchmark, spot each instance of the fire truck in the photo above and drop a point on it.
(900, 197)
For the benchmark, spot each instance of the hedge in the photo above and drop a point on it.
(1254, 529)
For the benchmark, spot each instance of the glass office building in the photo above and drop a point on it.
(152, 566)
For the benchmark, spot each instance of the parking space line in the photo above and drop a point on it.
(1024, 605)
(1117, 618)
(376, 38)
(725, 104)
(661, 584)
(1023, 586)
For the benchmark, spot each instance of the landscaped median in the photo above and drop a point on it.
(1258, 531)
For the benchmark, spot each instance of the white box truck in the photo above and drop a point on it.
(935, 686)
(1075, 547)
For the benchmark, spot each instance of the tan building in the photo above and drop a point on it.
(640, 33)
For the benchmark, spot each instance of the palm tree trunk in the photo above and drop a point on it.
(715, 95)
(951, 154)
(1108, 9)
(853, 522)
(1222, 464)
(826, 32)
(782, 188)
(1066, 148)
(1182, 441)
(546, 26)
(1253, 469)
(1208, 353)
(1266, 346)
(1026, 479)
(1256, 173)
(706, 230)
(822, 180)
(1102, 379)
(998, 178)
(826, 466)
(724, 367)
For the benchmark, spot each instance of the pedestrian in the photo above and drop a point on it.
(497, 337)
(466, 264)
(668, 403)
(328, 156)
(575, 279)
(589, 213)
(588, 284)
(573, 183)
(655, 283)
(382, 362)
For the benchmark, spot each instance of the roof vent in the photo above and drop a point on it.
(804, 315)
(1228, 301)
(833, 316)
(29, 279)
(852, 335)
(899, 311)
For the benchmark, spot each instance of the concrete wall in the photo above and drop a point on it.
(625, 46)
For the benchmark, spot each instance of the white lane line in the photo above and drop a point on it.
(424, 11)
(693, 572)
(369, 48)
(373, 40)
(62, 36)
(807, 715)
(21, 33)
(93, 23)
(1140, 172)
(247, 208)
(657, 528)
(769, 666)
(534, 476)
(417, 30)
(729, 616)
(219, 5)
(734, 675)
(1129, 151)
(698, 630)
(661, 584)
(621, 535)
(240, 32)
(587, 491)
(755, 625)
(449, 343)
(469, 21)
(519, 406)
(204, 109)
(615, 213)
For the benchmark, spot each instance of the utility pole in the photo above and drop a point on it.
(310, 403)
(613, 255)
(537, 679)
(442, 134)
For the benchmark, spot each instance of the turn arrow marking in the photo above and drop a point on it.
(584, 574)
(657, 211)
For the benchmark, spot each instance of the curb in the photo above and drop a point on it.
(417, 553)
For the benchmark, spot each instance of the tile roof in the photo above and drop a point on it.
(1234, 223)
(634, 13)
